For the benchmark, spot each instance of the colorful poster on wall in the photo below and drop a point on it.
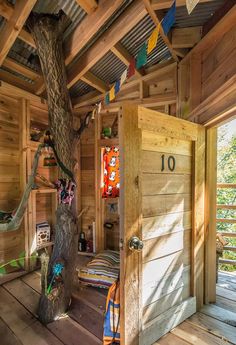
(111, 173)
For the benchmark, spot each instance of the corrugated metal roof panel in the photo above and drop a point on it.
(21, 52)
(200, 15)
(80, 89)
(140, 34)
(109, 68)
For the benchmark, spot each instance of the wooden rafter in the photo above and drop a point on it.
(19, 68)
(135, 12)
(88, 5)
(18, 82)
(12, 29)
(89, 27)
(90, 79)
(6, 11)
(84, 32)
(162, 4)
(124, 56)
(157, 21)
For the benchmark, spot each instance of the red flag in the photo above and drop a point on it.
(131, 69)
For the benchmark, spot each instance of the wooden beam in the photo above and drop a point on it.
(90, 79)
(157, 21)
(19, 68)
(162, 4)
(88, 6)
(12, 29)
(26, 37)
(186, 37)
(124, 56)
(18, 82)
(135, 12)
(19, 92)
(6, 9)
(89, 27)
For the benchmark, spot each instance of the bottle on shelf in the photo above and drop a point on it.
(82, 242)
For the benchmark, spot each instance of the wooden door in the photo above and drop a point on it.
(162, 203)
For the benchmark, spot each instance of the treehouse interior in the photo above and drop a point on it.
(142, 86)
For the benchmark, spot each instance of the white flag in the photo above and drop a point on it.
(123, 77)
(191, 4)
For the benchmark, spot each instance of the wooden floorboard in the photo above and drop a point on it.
(214, 325)
(7, 337)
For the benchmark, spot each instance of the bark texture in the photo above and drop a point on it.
(47, 33)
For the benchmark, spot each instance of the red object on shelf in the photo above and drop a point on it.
(111, 173)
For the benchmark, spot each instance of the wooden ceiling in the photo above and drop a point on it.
(98, 14)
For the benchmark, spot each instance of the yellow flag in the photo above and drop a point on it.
(112, 93)
(152, 41)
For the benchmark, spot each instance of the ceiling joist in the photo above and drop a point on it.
(186, 37)
(12, 29)
(124, 56)
(88, 5)
(135, 12)
(94, 81)
(157, 21)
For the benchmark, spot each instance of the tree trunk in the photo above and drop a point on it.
(47, 33)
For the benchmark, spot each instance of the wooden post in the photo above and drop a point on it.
(198, 233)
(24, 109)
(210, 219)
(130, 223)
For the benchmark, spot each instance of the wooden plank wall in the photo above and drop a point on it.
(11, 244)
(87, 152)
(206, 81)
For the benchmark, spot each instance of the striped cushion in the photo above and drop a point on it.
(102, 271)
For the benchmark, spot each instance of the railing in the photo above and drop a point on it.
(227, 234)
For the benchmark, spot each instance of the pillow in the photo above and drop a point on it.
(102, 271)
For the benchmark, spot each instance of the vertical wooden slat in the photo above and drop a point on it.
(130, 223)
(24, 108)
(198, 234)
(210, 216)
(98, 203)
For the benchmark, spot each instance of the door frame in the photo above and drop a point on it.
(132, 120)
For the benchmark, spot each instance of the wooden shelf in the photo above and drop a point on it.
(108, 142)
(86, 254)
(44, 190)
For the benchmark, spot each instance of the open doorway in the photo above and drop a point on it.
(226, 210)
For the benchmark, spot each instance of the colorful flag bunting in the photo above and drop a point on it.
(123, 77)
(99, 107)
(152, 41)
(169, 19)
(131, 70)
(112, 93)
(107, 99)
(142, 56)
(117, 86)
(191, 4)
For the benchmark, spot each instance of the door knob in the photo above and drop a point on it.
(135, 244)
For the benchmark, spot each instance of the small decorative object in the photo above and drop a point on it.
(57, 271)
(111, 173)
(106, 132)
(65, 190)
(42, 233)
(49, 161)
(82, 242)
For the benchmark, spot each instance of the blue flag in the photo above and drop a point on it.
(169, 19)
(117, 86)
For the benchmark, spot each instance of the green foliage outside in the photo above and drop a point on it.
(226, 173)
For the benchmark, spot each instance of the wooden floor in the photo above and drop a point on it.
(214, 325)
